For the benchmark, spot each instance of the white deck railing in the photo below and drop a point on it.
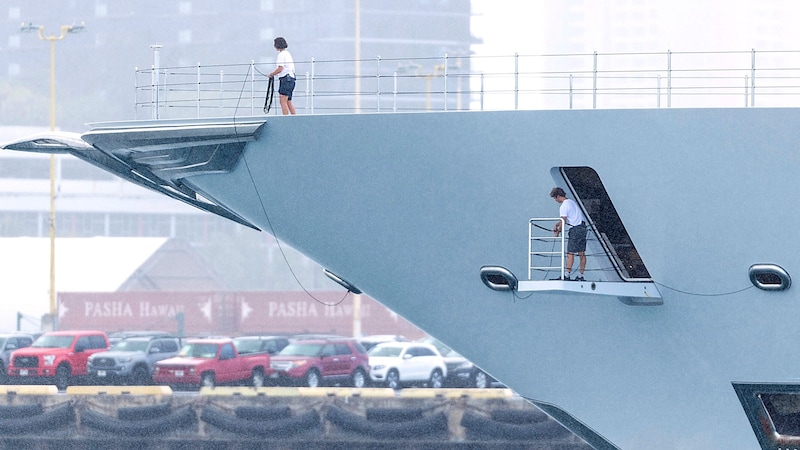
(570, 81)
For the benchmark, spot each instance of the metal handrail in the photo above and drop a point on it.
(533, 226)
(453, 83)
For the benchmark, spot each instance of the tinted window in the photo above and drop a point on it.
(97, 341)
(168, 346)
(343, 349)
(422, 351)
(301, 350)
(83, 343)
(328, 350)
(385, 351)
(227, 352)
(51, 341)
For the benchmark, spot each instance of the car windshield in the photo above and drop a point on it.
(302, 350)
(247, 345)
(388, 350)
(49, 341)
(129, 346)
(197, 350)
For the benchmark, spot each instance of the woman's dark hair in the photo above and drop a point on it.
(281, 43)
(557, 191)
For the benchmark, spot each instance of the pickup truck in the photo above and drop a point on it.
(60, 356)
(132, 360)
(209, 362)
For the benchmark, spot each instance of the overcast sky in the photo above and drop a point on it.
(509, 26)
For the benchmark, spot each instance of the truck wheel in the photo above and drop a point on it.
(258, 378)
(480, 380)
(63, 374)
(393, 379)
(207, 380)
(140, 376)
(437, 380)
(312, 378)
(359, 378)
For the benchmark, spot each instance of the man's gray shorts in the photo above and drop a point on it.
(576, 239)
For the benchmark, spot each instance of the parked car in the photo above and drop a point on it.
(59, 357)
(132, 360)
(260, 344)
(395, 364)
(9, 343)
(314, 362)
(374, 339)
(461, 372)
(211, 362)
(117, 336)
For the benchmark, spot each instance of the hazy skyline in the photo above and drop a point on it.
(507, 26)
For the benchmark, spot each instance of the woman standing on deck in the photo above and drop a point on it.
(285, 73)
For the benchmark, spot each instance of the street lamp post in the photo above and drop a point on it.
(65, 29)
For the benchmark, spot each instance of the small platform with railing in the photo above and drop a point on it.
(547, 255)
(546, 258)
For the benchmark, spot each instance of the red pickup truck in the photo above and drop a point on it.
(209, 362)
(59, 356)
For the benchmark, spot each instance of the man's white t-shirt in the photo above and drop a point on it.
(569, 209)
(285, 60)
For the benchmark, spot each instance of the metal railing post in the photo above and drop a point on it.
(570, 91)
(594, 82)
(753, 77)
(445, 81)
(221, 92)
(746, 89)
(308, 90)
(516, 81)
(394, 92)
(252, 87)
(135, 93)
(199, 77)
(669, 78)
(313, 63)
(166, 92)
(378, 83)
(482, 91)
(658, 91)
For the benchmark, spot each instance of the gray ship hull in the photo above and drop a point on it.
(409, 207)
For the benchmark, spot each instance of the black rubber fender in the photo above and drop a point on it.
(56, 417)
(262, 412)
(181, 418)
(144, 412)
(289, 426)
(519, 416)
(484, 428)
(20, 411)
(393, 414)
(409, 429)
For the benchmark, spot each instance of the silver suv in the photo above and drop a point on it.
(9, 343)
(131, 360)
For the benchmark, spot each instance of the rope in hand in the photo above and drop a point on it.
(270, 95)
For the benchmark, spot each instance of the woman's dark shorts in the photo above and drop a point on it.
(287, 86)
(576, 239)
